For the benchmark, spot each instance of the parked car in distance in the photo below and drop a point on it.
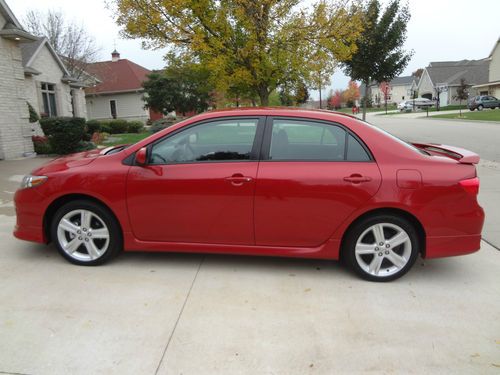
(417, 103)
(480, 102)
(260, 181)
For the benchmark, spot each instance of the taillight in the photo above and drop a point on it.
(471, 185)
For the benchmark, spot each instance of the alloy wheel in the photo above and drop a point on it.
(383, 249)
(83, 235)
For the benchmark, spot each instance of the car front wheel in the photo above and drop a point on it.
(86, 233)
(381, 248)
(480, 107)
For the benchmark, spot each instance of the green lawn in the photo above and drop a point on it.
(381, 109)
(126, 138)
(432, 109)
(484, 115)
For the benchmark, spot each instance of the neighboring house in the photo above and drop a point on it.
(48, 85)
(444, 78)
(15, 129)
(491, 86)
(117, 91)
(401, 88)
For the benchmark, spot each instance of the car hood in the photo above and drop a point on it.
(71, 161)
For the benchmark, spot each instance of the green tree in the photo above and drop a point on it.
(380, 56)
(245, 43)
(462, 93)
(182, 87)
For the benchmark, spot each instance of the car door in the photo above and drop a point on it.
(312, 176)
(198, 185)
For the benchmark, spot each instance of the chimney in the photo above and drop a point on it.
(115, 56)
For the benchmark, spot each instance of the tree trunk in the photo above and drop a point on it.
(264, 96)
(364, 99)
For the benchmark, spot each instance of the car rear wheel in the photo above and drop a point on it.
(382, 247)
(85, 233)
(480, 107)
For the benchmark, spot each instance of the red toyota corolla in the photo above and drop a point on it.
(279, 182)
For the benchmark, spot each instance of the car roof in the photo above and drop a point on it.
(275, 111)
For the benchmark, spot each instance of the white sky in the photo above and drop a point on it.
(438, 30)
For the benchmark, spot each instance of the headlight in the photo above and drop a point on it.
(32, 181)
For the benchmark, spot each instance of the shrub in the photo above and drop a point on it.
(47, 124)
(118, 126)
(33, 115)
(93, 126)
(105, 126)
(98, 138)
(135, 127)
(64, 133)
(41, 144)
(85, 146)
(162, 124)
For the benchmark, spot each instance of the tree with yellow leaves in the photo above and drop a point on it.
(253, 44)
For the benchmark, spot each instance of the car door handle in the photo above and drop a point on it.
(357, 178)
(238, 179)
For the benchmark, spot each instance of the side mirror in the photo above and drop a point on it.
(141, 156)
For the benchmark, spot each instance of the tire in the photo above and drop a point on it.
(375, 262)
(86, 245)
(480, 107)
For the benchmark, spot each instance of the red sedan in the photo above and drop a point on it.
(278, 182)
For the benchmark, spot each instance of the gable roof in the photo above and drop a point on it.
(12, 28)
(403, 81)
(451, 72)
(29, 52)
(116, 76)
(8, 15)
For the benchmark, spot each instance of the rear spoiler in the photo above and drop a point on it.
(461, 155)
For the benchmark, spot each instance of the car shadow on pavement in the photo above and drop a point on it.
(453, 268)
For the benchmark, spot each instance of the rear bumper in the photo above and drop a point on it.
(438, 247)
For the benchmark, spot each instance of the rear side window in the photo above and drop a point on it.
(308, 140)
(356, 152)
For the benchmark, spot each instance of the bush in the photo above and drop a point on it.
(162, 124)
(47, 124)
(105, 126)
(118, 126)
(33, 115)
(85, 146)
(93, 126)
(64, 133)
(135, 127)
(41, 144)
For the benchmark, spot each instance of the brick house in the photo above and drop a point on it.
(117, 91)
(30, 72)
(15, 129)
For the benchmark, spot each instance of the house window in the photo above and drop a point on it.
(49, 99)
(112, 108)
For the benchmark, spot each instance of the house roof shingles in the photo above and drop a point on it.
(451, 72)
(116, 76)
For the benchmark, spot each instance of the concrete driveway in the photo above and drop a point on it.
(192, 314)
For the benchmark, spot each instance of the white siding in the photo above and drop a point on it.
(15, 131)
(129, 106)
(494, 74)
(425, 85)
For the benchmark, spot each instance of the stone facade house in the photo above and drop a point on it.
(30, 72)
(117, 91)
(15, 129)
(49, 87)
(492, 85)
(443, 78)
